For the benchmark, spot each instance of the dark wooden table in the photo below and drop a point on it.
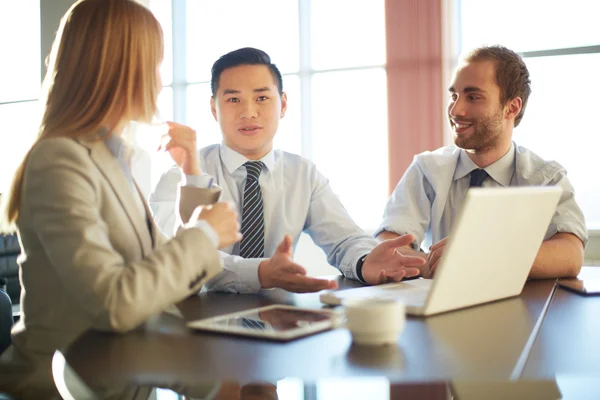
(568, 342)
(484, 342)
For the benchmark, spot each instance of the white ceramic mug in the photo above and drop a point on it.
(374, 321)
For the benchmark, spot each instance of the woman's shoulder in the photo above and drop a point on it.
(56, 150)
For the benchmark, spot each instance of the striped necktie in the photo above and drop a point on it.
(253, 224)
(477, 177)
(253, 324)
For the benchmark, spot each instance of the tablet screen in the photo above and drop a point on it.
(275, 319)
(275, 322)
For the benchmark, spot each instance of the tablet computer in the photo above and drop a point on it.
(276, 322)
(586, 287)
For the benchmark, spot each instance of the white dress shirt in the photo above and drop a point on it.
(296, 199)
(427, 200)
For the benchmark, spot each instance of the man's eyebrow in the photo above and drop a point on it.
(257, 90)
(230, 91)
(471, 89)
(468, 89)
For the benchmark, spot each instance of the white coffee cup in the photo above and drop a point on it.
(374, 321)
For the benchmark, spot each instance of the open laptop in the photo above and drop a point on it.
(488, 256)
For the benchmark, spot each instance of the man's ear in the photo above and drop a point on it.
(513, 107)
(213, 108)
(283, 104)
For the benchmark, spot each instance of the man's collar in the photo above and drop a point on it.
(234, 160)
(501, 170)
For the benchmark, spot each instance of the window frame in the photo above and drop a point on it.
(305, 73)
(457, 45)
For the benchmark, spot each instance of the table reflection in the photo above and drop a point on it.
(63, 382)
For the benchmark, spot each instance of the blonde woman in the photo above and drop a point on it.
(92, 256)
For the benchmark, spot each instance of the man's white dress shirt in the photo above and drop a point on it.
(296, 199)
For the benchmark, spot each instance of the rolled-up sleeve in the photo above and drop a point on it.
(568, 217)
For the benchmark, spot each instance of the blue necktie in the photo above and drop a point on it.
(477, 177)
(253, 224)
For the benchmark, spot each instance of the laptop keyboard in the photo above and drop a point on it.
(412, 296)
(415, 298)
(411, 293)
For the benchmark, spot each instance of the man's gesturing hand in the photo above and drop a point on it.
(280, 271)
(384, 264)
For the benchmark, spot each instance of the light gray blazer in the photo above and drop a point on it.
(91, 259)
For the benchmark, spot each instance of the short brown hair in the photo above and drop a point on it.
(511, 73)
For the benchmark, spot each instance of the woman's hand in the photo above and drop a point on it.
(181, 145)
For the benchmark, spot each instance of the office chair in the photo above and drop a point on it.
(9, 269)
(6, 320)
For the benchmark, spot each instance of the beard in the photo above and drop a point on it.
(485, 136)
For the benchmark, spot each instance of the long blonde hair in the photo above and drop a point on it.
(102, 70)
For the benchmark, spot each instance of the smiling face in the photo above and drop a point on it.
(478, 120)
(248, 107)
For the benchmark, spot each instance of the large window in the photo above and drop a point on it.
(334, 77)
(560, 42)
(19, 82)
